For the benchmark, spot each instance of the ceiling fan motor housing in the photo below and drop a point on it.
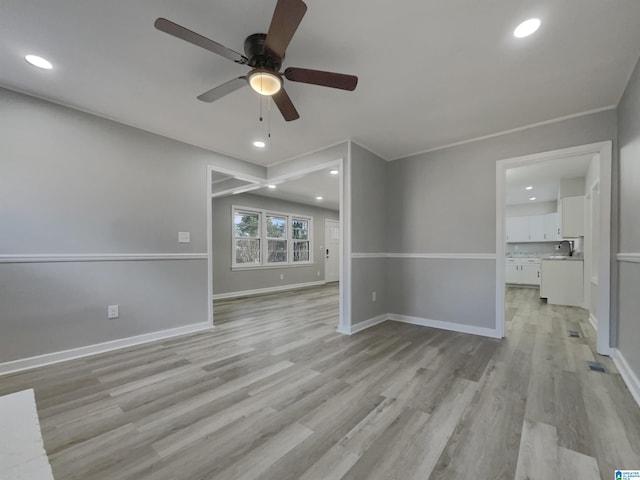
(258, 57)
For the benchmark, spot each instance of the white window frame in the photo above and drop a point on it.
(264, 240)
(234, 238)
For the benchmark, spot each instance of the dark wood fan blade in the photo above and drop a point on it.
(224, 89)
(187, 35)
(325, 79)
(285, 105)
(286, 18)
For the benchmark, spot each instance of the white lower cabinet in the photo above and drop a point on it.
(522, 271)
(562, 282)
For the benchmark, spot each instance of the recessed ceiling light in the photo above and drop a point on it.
(259, 144)
(271, 187)
(318, 197)
(334, 172)
(39, 62)
(532, 198)
(526, 28)
(528, 188)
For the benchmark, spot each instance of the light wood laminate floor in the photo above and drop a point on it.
(275, 393)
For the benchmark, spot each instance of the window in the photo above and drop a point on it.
(270, 239)
(276, 239)
(300, 227)
(246, 234)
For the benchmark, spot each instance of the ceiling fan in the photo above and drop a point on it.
(264, 54)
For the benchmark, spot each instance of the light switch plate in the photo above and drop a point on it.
(112, 311)
(184, 237)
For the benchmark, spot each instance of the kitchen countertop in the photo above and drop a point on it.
(563, 258)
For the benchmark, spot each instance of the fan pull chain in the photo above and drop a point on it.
(260, 107)
(269, 117)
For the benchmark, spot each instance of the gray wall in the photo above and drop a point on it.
(629, 187)
(369, 222)
(444, 202)
(74, 183)
(225, 280)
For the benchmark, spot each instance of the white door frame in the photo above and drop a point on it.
(604, 150)
(343, 165)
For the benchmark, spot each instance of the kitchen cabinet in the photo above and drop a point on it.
(517, 229)
(552, 227)
(522, 271)
(533, 228)
(536, 228)
(572, 217)
(561, 282)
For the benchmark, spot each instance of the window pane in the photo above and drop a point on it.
(300, 251)
(276, 227)
(246, 224)
(247, 251)
(277, 251)
(300, 229)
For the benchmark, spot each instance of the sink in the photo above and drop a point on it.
(557, 257)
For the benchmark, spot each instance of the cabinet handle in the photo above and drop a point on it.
(558, 231)
(538, 273)
(545, 236)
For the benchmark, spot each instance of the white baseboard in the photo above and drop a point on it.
(627, 374)
(64, 355)
(593, 321)
(358, 327)
(260, 291)
(454, 327)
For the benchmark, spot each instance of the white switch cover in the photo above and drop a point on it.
(112, 311)
(373, 296)
(184, 237)
(282, 276)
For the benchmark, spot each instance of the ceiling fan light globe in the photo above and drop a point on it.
(265, 83)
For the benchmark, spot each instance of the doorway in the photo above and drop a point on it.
(599, 296)
(285, 252)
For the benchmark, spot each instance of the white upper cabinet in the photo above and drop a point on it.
(536, 228)
(517, 229)
(572, 217)
(552, 227)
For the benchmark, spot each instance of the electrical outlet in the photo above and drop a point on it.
(282, 276)
(373, 296)
(318, 273)
(112, 311)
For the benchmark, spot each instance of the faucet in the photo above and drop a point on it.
(570, 242)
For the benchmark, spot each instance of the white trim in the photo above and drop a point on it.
(594, 321)
(358, 327)
(628, 257)
(604, 150)
(506, 132)
(260, 291)
(74, 353)
(369, 255)
(209, 200)
(98, 257)
(302, 155)
(444, 256)
(345, 248)
(628, 375)
(453, 327)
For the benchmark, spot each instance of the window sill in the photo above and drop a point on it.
(237, 268)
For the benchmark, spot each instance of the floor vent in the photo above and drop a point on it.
(574, 333)
(597, 367)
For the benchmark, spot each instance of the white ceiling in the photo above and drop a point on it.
(544, 178)
(431, 72)
(305, 188)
